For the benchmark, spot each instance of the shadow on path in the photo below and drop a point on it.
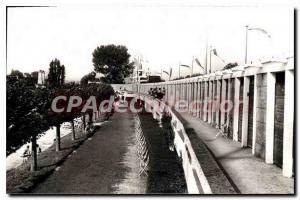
(165, 171)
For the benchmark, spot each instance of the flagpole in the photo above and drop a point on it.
(137, 71)
(246, 50)
(138, 81)
(206, 57)
(210, 59)
(179, 70)
(192, 66)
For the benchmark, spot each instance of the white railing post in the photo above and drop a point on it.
(288, 127)
(218, 101)
(209, 103)
(237, 84)
(270, 109)
(245, 111)
(205, 101)
(223, 98)
(254, 114)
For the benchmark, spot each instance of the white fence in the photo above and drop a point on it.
(262, 116)
(194, 176)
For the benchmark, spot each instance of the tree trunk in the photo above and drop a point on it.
(73, 130)
(33, 166)
(58, 137)
(90, 117)
(83, 121)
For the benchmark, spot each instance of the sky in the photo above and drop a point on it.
(164, 35)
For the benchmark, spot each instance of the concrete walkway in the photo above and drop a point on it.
(249, 174)
(108, 163)
(101, 165)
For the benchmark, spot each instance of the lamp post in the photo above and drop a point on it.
(179, 70)
(261, 30)
(206, 47)
(246, 46)
(210, 49)
(192, 66)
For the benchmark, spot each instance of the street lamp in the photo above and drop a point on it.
(253, 29)
(215, 53)
(246, 46)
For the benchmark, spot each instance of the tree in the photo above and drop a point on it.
(35, 75)
(230, 65)
(17, 74)
(113, 62)
(99, 91)
(55, 118)
(56, 76)
(27, 108)
(29, 112)
(56, 79)
(27, 78)
(86, 78)
(72, 89)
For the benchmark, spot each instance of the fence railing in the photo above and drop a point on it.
(262, 99)
(194, 175)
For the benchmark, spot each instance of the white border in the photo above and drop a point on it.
(3, 4)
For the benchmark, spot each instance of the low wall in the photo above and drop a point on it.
(262, 112)
(261, 115)
(194, 175)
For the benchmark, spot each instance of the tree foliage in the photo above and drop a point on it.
(29, 79)
(17, 74)
(89, 77)
(29, 112)
(56, 75)
(100, 91)
(67, 90)
(27, 107)
(57, 118)
(113, 62)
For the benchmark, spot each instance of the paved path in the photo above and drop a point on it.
(99, 165)
(249, 174)
(107, 163)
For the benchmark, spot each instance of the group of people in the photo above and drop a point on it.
(157, 92)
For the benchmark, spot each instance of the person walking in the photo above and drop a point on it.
(26, 154)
